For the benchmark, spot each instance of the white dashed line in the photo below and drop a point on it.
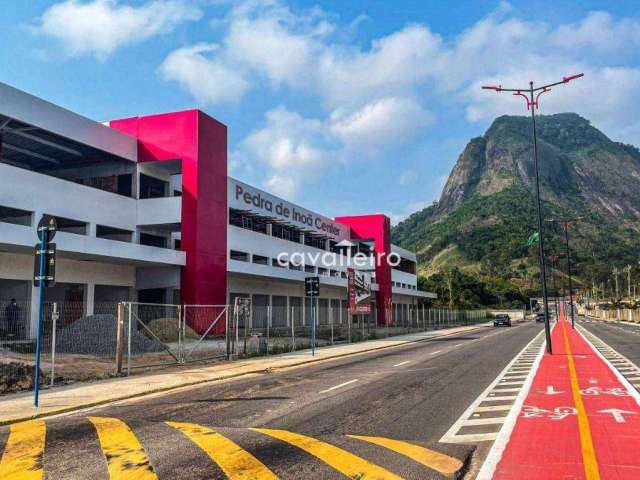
(457, 345)
(339, 386)
(437, 351)
(402, 363)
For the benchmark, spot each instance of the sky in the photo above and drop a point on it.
(345, 107)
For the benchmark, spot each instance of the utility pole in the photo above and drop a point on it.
(616, 272)
(564, 223)
(532, 96)
(628, 270)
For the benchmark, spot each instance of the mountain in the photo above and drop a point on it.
(486, 212)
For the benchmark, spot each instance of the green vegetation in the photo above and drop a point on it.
(473, 242)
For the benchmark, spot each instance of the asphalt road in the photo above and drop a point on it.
(621, 336)
(412, 393)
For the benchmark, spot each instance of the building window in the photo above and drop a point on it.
(153, 240)
(247, 221)
(309, 269)
(112, 233)
(293, 266)
(323, 271)
(343, 274)
(15, 216)
(406, 266)
(260, 260)
(276, 263)
(177, 244)
(151, 187)
(365, 248)
(69, 225)
(314, 241)
(285, 232)
(239, 256)
(334, 273)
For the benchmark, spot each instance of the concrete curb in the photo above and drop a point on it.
(61, 410)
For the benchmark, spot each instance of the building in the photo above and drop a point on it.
(146, 212)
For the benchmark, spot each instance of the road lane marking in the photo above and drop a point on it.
(402, 363)
(437, 461)
(586, 442)
(457, 345)
(437, 351)
(496, 392)
(484, 421)
(22, 457)
(237, 463)
(494, 408)
(344, 462)
(335, 387)
(126, 459)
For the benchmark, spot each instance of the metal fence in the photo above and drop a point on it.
(161, 334)
(120, 337)
(75, 346)
(272, 330)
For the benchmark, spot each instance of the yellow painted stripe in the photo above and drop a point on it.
(237, 464)
(346, 463)
(22, 457)
(126, 459)
(437, 461)
(586, 441)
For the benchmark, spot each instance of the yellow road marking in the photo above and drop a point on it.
(437, 461)
(126, 459)
(586, 441)
(346, 463)
(22, 457)
(237, 464)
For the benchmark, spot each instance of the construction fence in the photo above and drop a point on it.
(119, 338)
(619, 314)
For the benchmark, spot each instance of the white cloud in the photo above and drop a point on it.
(600, 33)
(269, 39)
(384, 122)
(292, 148)
(207, 78)
(99, 27)
(394, 64)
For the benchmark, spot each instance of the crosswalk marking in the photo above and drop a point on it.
(237, 463)
(22, 457)
(442, 463)
(344, 462)
(126, 459)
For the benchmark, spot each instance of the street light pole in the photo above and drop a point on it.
(553, 259)
(532, 104)
(564, 223)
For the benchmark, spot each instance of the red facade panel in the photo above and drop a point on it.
(200, 142)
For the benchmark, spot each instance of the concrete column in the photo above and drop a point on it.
(91, 229)
(89, 298)
(288, 312)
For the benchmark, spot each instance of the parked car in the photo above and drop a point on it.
(502, 319)
(540, 317)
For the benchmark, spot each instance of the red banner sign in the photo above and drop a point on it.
(359, 290)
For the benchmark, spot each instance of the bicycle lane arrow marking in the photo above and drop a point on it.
(617, 414)
(551, 391)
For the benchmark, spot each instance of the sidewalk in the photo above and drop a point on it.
(19, 407)
(580, 420)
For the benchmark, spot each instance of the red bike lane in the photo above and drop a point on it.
(578, 420)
